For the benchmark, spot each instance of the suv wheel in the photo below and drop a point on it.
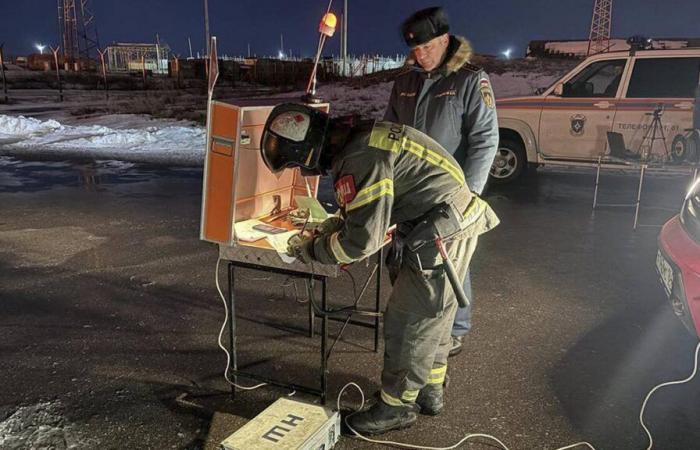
(509, 162)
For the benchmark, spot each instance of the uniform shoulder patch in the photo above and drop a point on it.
(345, 191)
(487, 93)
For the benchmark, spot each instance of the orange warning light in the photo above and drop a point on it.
(328, 23)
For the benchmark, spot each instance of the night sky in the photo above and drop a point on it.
(492, 26)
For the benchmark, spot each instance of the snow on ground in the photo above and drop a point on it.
(40, 426)
(147, 140)
(138, 138)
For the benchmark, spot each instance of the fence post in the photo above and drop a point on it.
(58, 72)
(104, 72)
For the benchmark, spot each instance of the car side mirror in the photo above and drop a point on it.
(558, 89)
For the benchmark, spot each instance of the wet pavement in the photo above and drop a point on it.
(109, 318)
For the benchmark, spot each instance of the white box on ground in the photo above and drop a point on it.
(288, 425)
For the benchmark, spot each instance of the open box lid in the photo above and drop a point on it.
(237, 184)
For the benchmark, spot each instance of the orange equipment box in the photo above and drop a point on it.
(237, 184)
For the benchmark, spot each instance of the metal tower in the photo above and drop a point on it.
(77, 31)
(599, 39)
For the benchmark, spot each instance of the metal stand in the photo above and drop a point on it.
(642, 171)
(234, 372)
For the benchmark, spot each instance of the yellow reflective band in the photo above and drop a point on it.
(437, 375)
(338, 251)
(435, 159)
(438, 370)
(410, 396)
(372, 193)
(387, 136)
(474, 211)
(389, 400)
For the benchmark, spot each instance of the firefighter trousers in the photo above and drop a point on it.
(418, 320)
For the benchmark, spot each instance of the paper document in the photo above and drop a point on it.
(316, 211)
(245, 232)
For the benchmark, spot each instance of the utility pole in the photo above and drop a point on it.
(189, 41)
(282, 44)
(2, 70)
(206, 23)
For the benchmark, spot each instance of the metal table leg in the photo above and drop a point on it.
(324, 344)
(232, 329)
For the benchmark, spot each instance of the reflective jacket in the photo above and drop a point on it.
(387, 175)
(454, 104)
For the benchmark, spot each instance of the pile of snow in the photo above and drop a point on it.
(151, 141)
(40, 426)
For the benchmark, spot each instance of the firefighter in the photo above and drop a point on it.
(387, 174)
(445, 96)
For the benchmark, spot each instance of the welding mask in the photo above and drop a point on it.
(294, 136)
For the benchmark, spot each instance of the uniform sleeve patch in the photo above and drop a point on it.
(345, 191)
(486, 93)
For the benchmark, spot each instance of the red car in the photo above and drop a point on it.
(678, 261)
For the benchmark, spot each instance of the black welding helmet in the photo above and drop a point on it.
(294, 136)
(425, 25)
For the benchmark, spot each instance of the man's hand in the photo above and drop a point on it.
(301, 248)
(331, 225)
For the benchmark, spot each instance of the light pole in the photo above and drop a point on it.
(206, 24)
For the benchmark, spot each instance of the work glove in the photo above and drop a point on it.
(331, 225)
(302, 248)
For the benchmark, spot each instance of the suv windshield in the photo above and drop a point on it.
(600, 79)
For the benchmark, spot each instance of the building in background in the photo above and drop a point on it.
(130, 57)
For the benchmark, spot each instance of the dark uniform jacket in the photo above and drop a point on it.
(390, 175)
(453, 104)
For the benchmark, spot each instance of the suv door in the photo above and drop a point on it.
(575, 123)
(665, 83)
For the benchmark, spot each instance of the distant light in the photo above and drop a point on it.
(280, 54)
(40, 48)
(506, 53)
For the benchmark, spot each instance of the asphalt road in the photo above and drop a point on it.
(109, 319)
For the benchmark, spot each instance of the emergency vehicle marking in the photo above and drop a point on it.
(345, 190)
(626, 104)
(371, 193)
(578, 123)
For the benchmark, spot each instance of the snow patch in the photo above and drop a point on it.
(41, 426)
(154, 141)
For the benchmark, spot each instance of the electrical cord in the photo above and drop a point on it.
(669, 383)
(423, 447)
(221, 333)
(362, 395)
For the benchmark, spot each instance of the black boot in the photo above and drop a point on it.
(381, 418)
(430, 399)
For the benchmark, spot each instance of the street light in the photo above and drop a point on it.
(506, 53)
(40, 48)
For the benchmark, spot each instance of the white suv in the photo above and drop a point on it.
(617, 91)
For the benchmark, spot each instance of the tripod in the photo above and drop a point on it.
(653, 133)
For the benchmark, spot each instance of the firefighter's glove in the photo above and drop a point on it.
(331, 225)
(302, 248)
